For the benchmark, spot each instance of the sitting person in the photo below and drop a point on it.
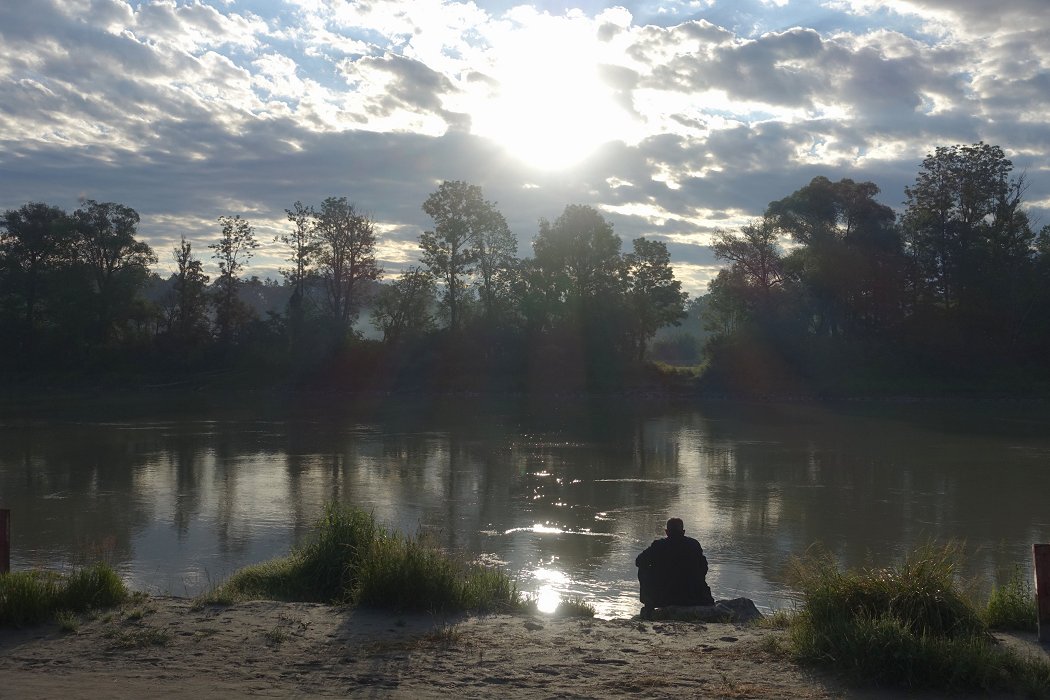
(671, 571)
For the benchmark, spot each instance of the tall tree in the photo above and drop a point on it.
(469, 234)
(655, 298)
(964, 218)
(188, 319)
(755, 257)
(973, 249)
(581, 252)
(233, 251)
(301, 247)
(35, 239)
(497, 262)
(345, 242)
(116, 261)
(850, 259)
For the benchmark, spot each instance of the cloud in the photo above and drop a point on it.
(678, 122)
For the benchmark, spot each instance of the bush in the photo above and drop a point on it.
(32, 597)
(351, 559)
(906, 626)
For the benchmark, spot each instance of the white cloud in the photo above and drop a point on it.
(180, 107)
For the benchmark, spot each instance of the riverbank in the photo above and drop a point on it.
(166, 647)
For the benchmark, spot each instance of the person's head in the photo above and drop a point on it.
(675, 527)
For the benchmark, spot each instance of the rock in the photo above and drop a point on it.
(738, 610)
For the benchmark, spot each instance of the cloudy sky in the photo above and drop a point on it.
(673, 118)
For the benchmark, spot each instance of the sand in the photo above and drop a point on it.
(165, 647)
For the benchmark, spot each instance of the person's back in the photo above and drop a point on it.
(672, 571)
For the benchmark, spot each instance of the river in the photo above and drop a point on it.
(178, 494)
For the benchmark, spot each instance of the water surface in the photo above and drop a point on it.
(562, 495)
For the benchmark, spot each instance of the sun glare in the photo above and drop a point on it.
(551, 109)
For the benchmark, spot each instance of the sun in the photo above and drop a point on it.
(551, 108)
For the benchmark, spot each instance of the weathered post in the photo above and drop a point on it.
(5, 540)
(1041, 555)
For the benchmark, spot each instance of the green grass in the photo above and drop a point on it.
(1012, 605)
(569, 607)
(907, 626)
(32, 597)
(351, 559)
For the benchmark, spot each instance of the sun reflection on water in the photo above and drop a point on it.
(547, 595)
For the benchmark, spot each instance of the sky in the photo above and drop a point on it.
(674, 119)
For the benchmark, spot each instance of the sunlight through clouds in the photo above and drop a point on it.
(548, 104)
(673, 120)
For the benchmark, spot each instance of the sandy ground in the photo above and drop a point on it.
(164, 647)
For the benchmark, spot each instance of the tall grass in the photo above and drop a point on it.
(1012, 605)
(351, 559)
(908, 626)
(31, 597)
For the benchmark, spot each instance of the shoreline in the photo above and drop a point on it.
(165, 647)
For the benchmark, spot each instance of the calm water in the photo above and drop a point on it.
(563, 496)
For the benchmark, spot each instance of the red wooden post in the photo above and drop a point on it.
(5, 540)
(1041, 555)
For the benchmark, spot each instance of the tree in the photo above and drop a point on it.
(964, 220)
(578, 259)
(755, 257)
(233, 251)
(345, 242)
(973, 250)
(402, 308)
(849, 261)
(302, 247)
(497, 255)
(654, 296)
(188, 320)
(727, 304)
(469, 233)
(582, 254)
(116, 262)
(34, 240)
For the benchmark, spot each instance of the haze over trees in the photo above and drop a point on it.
(830, 289)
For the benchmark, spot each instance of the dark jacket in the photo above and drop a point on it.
(672, 572)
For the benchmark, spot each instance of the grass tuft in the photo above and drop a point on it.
(352, 559)
(574, 607)
(907, 626)
(32, 597)
(1012, 605)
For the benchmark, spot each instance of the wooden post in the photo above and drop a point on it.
(5, 540)
(1041, 555)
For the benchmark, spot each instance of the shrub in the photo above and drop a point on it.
(351, 559)
(907, 626)
(32, 597)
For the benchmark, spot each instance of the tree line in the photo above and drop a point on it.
(829, 288)
(830, 284)
(76, 291)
